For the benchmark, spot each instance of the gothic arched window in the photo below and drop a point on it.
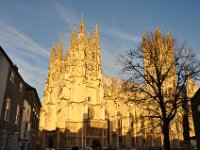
(119, 122)
(90, 113)
(131, 120)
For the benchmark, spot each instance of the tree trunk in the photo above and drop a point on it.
(166, 136)
(186, 125)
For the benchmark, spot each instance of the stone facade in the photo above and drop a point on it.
(73, 97)
(81, 107)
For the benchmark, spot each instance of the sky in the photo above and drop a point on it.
(28, 29)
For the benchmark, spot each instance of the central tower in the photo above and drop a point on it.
(73, 93)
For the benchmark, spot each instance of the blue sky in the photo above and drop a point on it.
(28, 28)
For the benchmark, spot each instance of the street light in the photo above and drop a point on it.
(117, 128)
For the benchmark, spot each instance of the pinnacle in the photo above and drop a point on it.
(89, 35)
(60, 40)
(158, 29)
(82, 25)
(82, 20)
(54, 45)
(158, 35)
(96, 28)
(74, 28)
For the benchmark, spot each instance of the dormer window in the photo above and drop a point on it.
(12, 77)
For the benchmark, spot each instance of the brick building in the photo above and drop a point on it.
(13, 101)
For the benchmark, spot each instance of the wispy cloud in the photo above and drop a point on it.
(68, 14)
(26, 53)
(109, 51)
(71, 17)
(14, 38)
(120, 34)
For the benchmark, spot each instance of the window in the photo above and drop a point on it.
(131, 123)
(7, 111)
(25, 129)
(2, 139)
(12, 77)
(93, 55)
(91, 113)
(17, 115)
(89, 98)
(10, 142)
(15, 140)
(119, 123)
(21, 87)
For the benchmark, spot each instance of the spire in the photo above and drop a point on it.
(96, 36)
(82, 24)
(60, 47)
(73, 37)
(81, 33)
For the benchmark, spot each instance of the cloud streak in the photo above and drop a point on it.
(14, 38)
(71, 18)
(68, 14)
(30, 57)
(120, 34)
(109, 51)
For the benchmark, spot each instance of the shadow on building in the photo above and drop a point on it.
(96, 135)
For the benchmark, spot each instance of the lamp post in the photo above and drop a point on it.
(117, 128)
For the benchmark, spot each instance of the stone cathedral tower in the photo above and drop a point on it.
(73, 91)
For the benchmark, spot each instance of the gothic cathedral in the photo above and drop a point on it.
(81, 107)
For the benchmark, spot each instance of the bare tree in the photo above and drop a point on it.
(159, 70)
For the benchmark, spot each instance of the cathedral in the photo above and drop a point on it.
(81, 107)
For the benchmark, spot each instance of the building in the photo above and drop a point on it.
(13, 104)
(73, 102)
(81, 107)
(11, 116)
(196, 116)
(29, 136)
(4, 68)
